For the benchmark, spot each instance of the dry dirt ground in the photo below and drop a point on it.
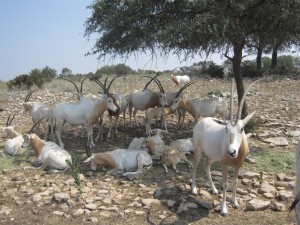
(119, 200)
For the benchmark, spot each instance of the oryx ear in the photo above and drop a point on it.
(249, 117)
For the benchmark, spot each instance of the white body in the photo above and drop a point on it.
(121, 160)
(202, 107)
(138, 144)
(180, 80)
(49, 154)
(37, 111)
(83, 112)
(13, 145)
(184, 145)
(220, 143)
(157, 112)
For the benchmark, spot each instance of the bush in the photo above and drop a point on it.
(248, 69)
(215, 70)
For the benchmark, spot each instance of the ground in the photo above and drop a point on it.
(118, 200)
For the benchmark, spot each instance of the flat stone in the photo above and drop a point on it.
(149, 201)
(78, 212)
(91, 206)
(257, 205)
(277, 141)
(58, 213)
(267, 188)
(286, 195)
(249, 174)
(61, 197)
(278, 206)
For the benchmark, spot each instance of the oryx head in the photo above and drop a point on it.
(162, 94)
(30, 135)
(79, 92)
(8, 128)
(177, 98)
(26, 104)
(235, 129)
(111, 102)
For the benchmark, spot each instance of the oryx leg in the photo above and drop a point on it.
(197, 157)
(208, 174)
(100, 129)
(224, 210)
(59, 127)
(116, 124)
(235, 182)
(90, 135)
(110, 126)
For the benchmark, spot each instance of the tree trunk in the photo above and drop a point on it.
(237, 59)
(258, 58)
(274, 55)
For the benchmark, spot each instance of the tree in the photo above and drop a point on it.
(181, 27)
(48, 74)
(65, 72)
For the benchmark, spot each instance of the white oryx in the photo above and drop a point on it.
(49, 154)
(199, 107)
(119, 100)
(144, 99)
(37, 111)
(13, 146)
(222, 142)
(83, 112)
(180, 80)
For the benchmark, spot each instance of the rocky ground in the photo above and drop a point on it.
(35, 197)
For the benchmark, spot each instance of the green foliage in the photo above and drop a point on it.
(249, 69)
(65, 72)
(215, 70)
(35, 77)
(74, 167)
(114, 69)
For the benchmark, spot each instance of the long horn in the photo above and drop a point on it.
(31, 129)
(152, 78)
(184, 87)
(231, 102)
(239, 114)
(7, 120)
(161, 87)
(29, 95)
(113, 80)
(82, 84)
(157, 82)
(71, 82)
(9, 123)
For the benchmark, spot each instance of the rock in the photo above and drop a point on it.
(267, 188)
(58, 213)
(295, 133)
(249, 174)
(171, 203)
(158, 193)
(91, 206)
(192, 205)
(105, 214)
(280, 176)
(257, 205)
(182, 208)
(36, 198)
(61, 197)
(113, 208)
(278, 206)
(286, 195)
(268, 195)
(149, 201)
(277, 141)
(139, 212)
(78, 212)
(204, 204)
(5, 210)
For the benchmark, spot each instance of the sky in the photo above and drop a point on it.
(39, 33)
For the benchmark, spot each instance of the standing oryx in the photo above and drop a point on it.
(144, 99)
(85, 111)
(222, 142)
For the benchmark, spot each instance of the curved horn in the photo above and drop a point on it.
(239, 114)
(113, 80)
(7, 120)
(184, 87)
(31, 129)
(152, 78)
(29, 95)
(161, 87)
(157, 82)
(71, 82)
(231, 102)
(82, 84)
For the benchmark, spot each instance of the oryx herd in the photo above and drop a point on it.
(217, 132)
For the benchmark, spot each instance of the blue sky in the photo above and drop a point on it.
(39, 33)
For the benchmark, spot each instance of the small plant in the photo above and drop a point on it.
(75, 172)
